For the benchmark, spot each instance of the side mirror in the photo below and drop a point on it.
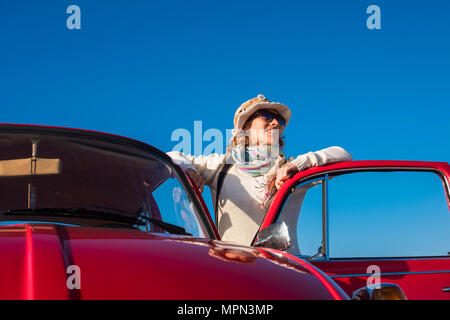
(275, 236)
(385, 291)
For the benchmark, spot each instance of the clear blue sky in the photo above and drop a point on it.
(145, 68)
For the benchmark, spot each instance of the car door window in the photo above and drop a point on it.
(302, 213)
(175, 207)
(388, 214)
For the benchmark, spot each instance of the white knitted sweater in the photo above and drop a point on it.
(239, 215)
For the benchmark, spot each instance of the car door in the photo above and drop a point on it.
(366, 226)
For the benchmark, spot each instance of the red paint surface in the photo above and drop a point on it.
(424, 277)
(32, 266)
(421, 286)
(336, 292)
(129, 264)
(29, 270)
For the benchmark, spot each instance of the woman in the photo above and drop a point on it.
(257, 169)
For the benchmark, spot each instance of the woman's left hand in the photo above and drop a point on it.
(284, 173)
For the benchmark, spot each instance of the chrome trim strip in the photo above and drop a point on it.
(306, 182)
(387, 274)
(325, 219)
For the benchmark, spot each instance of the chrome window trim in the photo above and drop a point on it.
(387, 273)
(325, 229)
(358, 259)
(302, 183)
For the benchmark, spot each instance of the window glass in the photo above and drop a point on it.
(302, 213)
(46, 177)
(176, 208)
(388, 214)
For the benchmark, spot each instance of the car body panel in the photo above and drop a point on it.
(419, 277)
(127, 264)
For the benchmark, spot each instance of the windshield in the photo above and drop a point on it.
(87, 181)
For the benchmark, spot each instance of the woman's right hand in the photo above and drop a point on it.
(197, 179)
(284, 173)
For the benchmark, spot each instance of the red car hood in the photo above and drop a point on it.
(127, 264)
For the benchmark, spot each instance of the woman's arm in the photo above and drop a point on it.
(321, 157)
(311, 159)
(205, 166)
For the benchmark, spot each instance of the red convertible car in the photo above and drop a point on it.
(87, 215)
(369, 224)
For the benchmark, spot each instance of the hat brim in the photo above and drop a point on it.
(279, 107)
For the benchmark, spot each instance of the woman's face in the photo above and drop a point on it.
(262, 131)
